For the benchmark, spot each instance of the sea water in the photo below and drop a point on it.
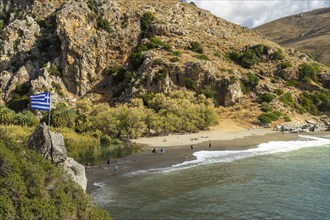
(276, 180)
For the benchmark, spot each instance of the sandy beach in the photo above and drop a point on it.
(178, 149)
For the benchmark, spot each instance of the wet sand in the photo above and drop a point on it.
(175, 155)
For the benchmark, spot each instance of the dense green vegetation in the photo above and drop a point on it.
(252, 55)
(314, 103)
(181, 111)
(266, 97)
(196, 47)
(104, 24)
(250, 82)
(269, 117)
(307, 72)
(32, 188)
(151, 113)
(146, 20)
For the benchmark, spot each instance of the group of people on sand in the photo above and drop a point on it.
(162, 150)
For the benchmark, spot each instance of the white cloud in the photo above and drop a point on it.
(252, 13)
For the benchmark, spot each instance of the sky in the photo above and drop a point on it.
(252, 13)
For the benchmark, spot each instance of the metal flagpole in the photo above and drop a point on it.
(50, 104)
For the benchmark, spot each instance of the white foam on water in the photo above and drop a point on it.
(273, 147)
(99, 184)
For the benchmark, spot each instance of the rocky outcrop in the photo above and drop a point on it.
(233, 94)
(51, 146)
(308, 126)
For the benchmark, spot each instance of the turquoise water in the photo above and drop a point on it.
(293, 184)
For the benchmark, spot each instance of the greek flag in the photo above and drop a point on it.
(40, 101)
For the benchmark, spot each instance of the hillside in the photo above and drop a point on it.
(113, 51)
(307, 32)
(33, 188)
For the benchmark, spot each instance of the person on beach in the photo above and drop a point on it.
(154, 151)
(191, 147)
(108, 162)
(162, 150)
(209, 145)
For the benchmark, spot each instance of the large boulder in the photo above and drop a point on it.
(234, 93)
(77, 172)
(51, 146)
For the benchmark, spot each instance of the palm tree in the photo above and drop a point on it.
(63, 116)
(26, 118)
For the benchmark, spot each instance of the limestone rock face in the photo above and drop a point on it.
(77, 171)
(51, 146)
(233, 94)
(18, 38)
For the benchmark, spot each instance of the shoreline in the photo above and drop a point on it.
(145, 159)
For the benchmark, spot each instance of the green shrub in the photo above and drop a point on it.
(291, 83)
(265, 107)
(92, 16)
(277, 55)
(196, 47)
(203, 57)
(232, 80)
(286, 98)
(269, 117)
(285, 65)
(26, 118)
(53, 70)
(249, 59)
(137, 57)
(279, 92)
(264, 119)
(260, 49)
(208, 91)
(91, 4)
(7, 115)
(287, 118)
(235, 56)
(161, 75)
(177, 53)
(174, 59)
(267, 97)
(63, 116)
(299, 108)
(146, 20)
(146, 97)
(190, 84)
(249, 83)
(308, 72)
(278, 113)
(1, 25)
(104, 24)
(306, 101)
(217, 54)
(167, 47)
(322, 100)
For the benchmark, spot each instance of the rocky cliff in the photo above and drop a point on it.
(111, 51)
(51, 146)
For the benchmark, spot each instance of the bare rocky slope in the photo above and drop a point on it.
(111, 51)
(307, 32)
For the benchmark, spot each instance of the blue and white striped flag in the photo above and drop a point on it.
(40, 101)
